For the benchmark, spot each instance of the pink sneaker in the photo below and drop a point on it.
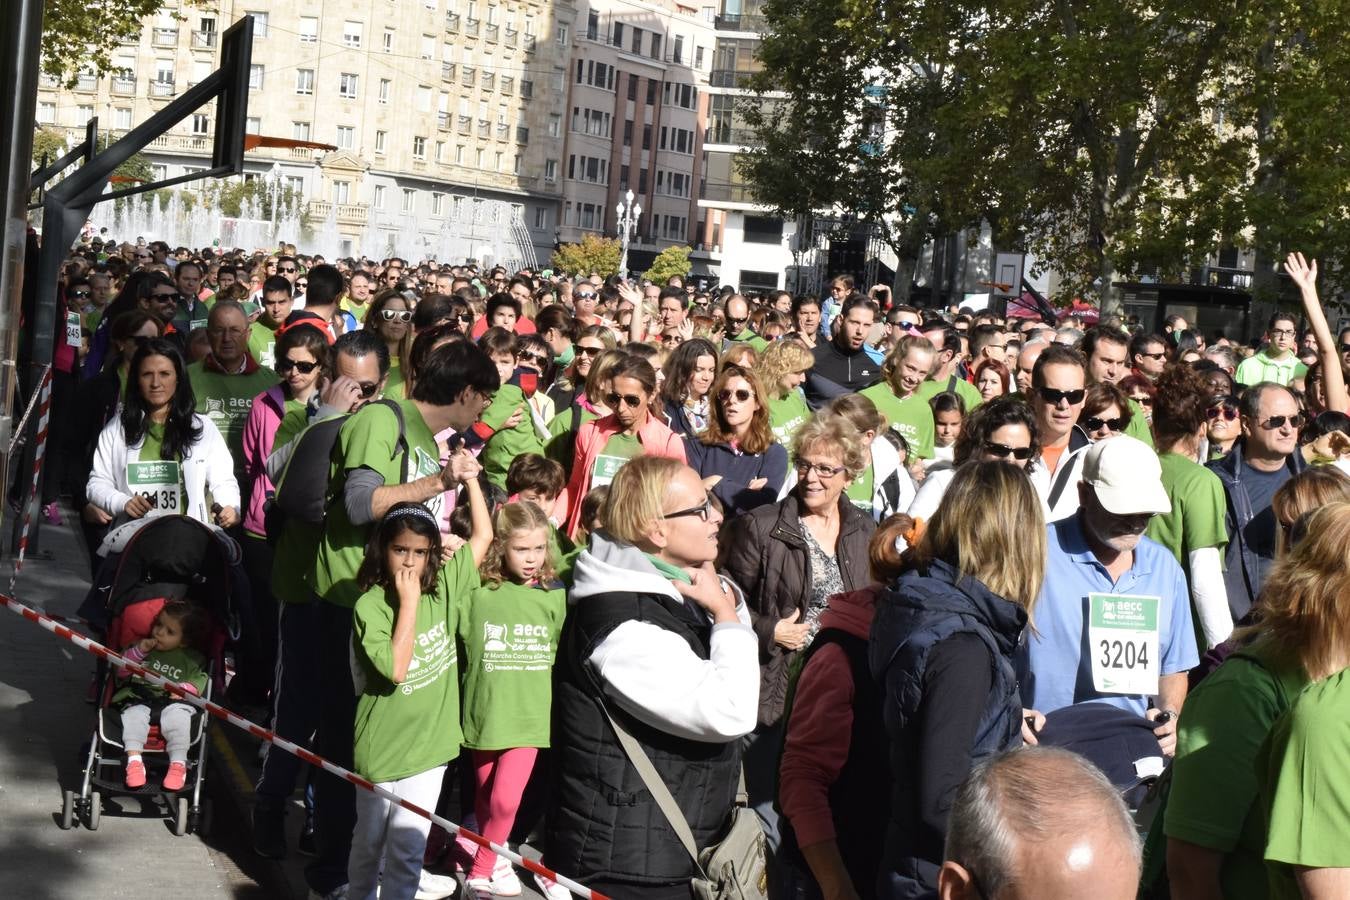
(174, 778)
(135, 773)
(53, 513)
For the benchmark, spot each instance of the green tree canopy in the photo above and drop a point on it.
(593, 254)
(670, 261)
(76, 34)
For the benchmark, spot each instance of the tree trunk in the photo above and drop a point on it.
(1109, 297)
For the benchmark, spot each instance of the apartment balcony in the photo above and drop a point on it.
(512, 37)
(447, 71)
(729, 78)
(484, 129)
(522, 134)
(190, 144)
(471, 27)
(464, 125)
(452, 21)
(49, 82)
(489, 81)
(507, 85)
(491, 32)
(527, 90)
(86, 82)
(124, 86)
(503, 131)
(753, 23)
(165, 37)
(530, 41)
(345, 213)
(203, 40)
(727, 193)
(162, 89)
(443, 121)
(726, 134)
(468, 75)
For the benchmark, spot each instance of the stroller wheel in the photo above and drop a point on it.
(201, 819)
(67, 810)
(180, 819)
(95, 811)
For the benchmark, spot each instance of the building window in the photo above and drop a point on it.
(637, 40)
(459, 154)
(423, 98)
(541, 217)
(651, 93)
(592, 25)
(300, 131)
(677, 54)
(295, 183)
(83, 113)
(437, 204)
(304, 81)
(628, 133)
(388, 43)
(347, 85)
(617, 39)
(698, 57)
(419, 148)
(428, 46)
(201, 124)
(253, 125)
(309, 30)
(561, 34)
(763, 230)
(656, 46)
(646, 137)
(378, 202)
(554, 125)
(351, 34)
(409, 198)
(346, 137)
(383, 96)
(122, 118)
(342, 191)
(380, 137)
(259, 23)
(255, 77)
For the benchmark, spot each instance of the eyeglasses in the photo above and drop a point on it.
(1282, 332)
(288, 270)
(302, 284)
(538, 359)
(741, 394)
(733, 320)
(630, 400)
(285, 364)
(703, 511)
(401, 315)
(1003, 451)
(1143, 400)
(589, 351)
(368, 388)
(823, 471)
(1227, 412)
(464, 317)
(166, 298)
(1345, 348)
(80, 295)
(1276, 422)
(1054, 397)
(586, 296)
(1095, 423)
(217, 331)
(1158, 355)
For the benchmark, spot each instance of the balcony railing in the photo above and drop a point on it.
(725, 134)
(465, 124)
(503, 131)
(345, 213)
(123, 85)
(448, 71)
(729, 78)
(203, 40)
(530, 41)
(484, 128)
(512, 37)
(471, 27)
(733, 22)
(161, 89)
(86, 83)
(452, 21)
(166, 37)
(489, 80)
(507, 85)
(48, 81)
(468, 75)
(443, 121)
(491, 31)
(522, 134)
(727, 193)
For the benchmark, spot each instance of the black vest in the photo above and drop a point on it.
(603, 823)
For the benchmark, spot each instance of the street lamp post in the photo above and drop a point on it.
(275, 190)
(628, 218)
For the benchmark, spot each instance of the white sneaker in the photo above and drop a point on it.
(435, 887)
(551, 889)
(505, 881)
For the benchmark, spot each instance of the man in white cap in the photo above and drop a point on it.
(1113, 620)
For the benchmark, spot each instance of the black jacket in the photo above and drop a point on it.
(838, 372)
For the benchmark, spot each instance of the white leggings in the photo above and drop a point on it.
(387, 832)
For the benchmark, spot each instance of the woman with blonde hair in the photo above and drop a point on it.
(1215, 828)
(941, 650)
(782, 369)
(1308, 490)
(389, 315)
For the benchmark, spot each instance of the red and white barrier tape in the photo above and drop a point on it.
(43, 396)
(264, 734)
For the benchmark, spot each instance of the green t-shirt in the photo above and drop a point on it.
(404, 729)
(226, 401)
(562, 442)
(510, 637)
(1213, 801)
(178, 665)
(394, 385)
(1306, 785)
(619, 449)
(298, 540)
(969, 394)
(1139, 428)
(368, 440)
(788, 414)
(262, 342)
(1258, 368)
(912, 417)
(749, 337)
(159, 480)
(358, 310)
(1198, 506)
(861, 490)
(505, 446)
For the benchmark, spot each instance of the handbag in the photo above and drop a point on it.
(732, 868)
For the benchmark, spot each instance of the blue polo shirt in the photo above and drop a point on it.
(1054, 665)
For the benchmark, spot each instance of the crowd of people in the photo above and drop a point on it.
(570, 530)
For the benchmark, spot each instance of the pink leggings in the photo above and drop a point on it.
(501, 776)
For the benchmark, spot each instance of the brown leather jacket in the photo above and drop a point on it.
(765, 553)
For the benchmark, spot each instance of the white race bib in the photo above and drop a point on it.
(73, 337)
(606, 467)
(1123, 641)
(424, 464)
(160, 482)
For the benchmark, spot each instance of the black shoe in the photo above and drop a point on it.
(307, 844)
(269, 832)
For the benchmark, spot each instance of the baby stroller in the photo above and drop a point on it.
(167, 558)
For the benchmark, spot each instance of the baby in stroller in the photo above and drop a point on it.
(176, 650)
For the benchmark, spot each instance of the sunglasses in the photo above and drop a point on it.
(1228, 413)
(464, 317)
(1054, 397)
(80, 295)
(400, 315)
(302, 284)
(1003, 451)
(589, 351)
(1277, 422)
(732, 320)
(288, 269)
(368, 388)
(1345, 348)
(821, 469)
(1143, 400)
(166, 298)
(537, 358)
(740, 394)
(304, 368)
(703, 511)
(1161, 355)
(1095, 423)
(630, 400)
(584, 296)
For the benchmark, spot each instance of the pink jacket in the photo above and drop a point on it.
(260, 430)
(656, 440)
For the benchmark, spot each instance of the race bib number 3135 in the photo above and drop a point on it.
(159, 482)
(1123, 637)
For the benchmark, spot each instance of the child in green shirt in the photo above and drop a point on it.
(510, 637)
(405, 664)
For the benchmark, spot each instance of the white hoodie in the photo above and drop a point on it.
(651, 672)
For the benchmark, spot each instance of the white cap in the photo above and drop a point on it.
(1127, 476)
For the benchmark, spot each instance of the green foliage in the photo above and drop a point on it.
(233, 196)
(670, 261)
(76, 34)
(48, 145)
(593, 254)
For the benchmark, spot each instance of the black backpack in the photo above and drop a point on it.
(301, 492)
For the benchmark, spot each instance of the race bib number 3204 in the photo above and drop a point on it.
(158, 481)
(1123, 636)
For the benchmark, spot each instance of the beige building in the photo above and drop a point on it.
(445, 114)
(634, 117)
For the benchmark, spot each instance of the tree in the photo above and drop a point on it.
(77, 35)
(670, 261)
(593, 254)
(48, 145)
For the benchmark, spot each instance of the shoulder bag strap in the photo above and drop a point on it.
(1068, 462)
(657, 788)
